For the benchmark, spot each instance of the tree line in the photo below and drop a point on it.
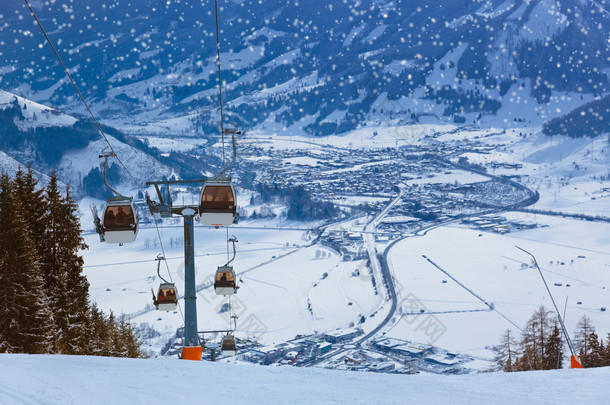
(541, 345)
(45, 306)
(590, 347)
(590, 119)
(300, 205)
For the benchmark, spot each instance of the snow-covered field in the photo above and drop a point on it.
(282, 276)
(574, 256)
(51, 380)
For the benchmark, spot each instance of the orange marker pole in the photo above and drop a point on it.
(575, 362)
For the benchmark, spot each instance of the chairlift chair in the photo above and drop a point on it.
(224, 281)
(217, 204)
(228, 346)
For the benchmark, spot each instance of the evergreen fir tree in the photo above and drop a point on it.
(69, 289)
(595, 356)
(553, 350)
(27, 326)
(45, 305)
(99, 343)
(31, 197)
(606, 359)
(4, 314)
(132, 345)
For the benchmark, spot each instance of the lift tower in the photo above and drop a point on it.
(192, 349)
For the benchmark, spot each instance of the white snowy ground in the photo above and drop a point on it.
(282, 277)
(493, 268)
(68, 380)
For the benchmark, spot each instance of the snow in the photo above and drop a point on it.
(396, 67)
(34, 114)
(545, 21)
(375, 33)
(44, 95)
(244, 58)
(78, 48)
(50, 380)
(491, 266)
(9, 165)
(174, 144)
(490, 14)
(266, 31)
(439, 78)
(284, 59)
(276, 265)
(288, 87)
(75, 164)
(124, 74)
(358, 200)
(347, 42)
(301, 160)
(448, 177)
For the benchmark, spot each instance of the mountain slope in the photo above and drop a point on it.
(43, 379)
(324, 68)
(46, 139)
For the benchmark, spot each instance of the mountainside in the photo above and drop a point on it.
(321, 67)
(590, 119)
(47, 139)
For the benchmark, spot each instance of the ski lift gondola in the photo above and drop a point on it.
(167, 296)
(225, 282)
(119, 223)
(217, 203)
(228, 346)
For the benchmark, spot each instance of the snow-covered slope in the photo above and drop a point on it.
(75, 380)
(47, 139)
(33, 114)
(324, 68)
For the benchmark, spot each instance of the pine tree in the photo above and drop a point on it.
(31, 197)
(506, 351)
(595, 356)
(27, 326)
(5, 187)
(68, 288)
(553, 350)
(99, 343)
(132, 344)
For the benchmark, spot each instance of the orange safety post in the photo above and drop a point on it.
(575, 362)
(192, 353)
